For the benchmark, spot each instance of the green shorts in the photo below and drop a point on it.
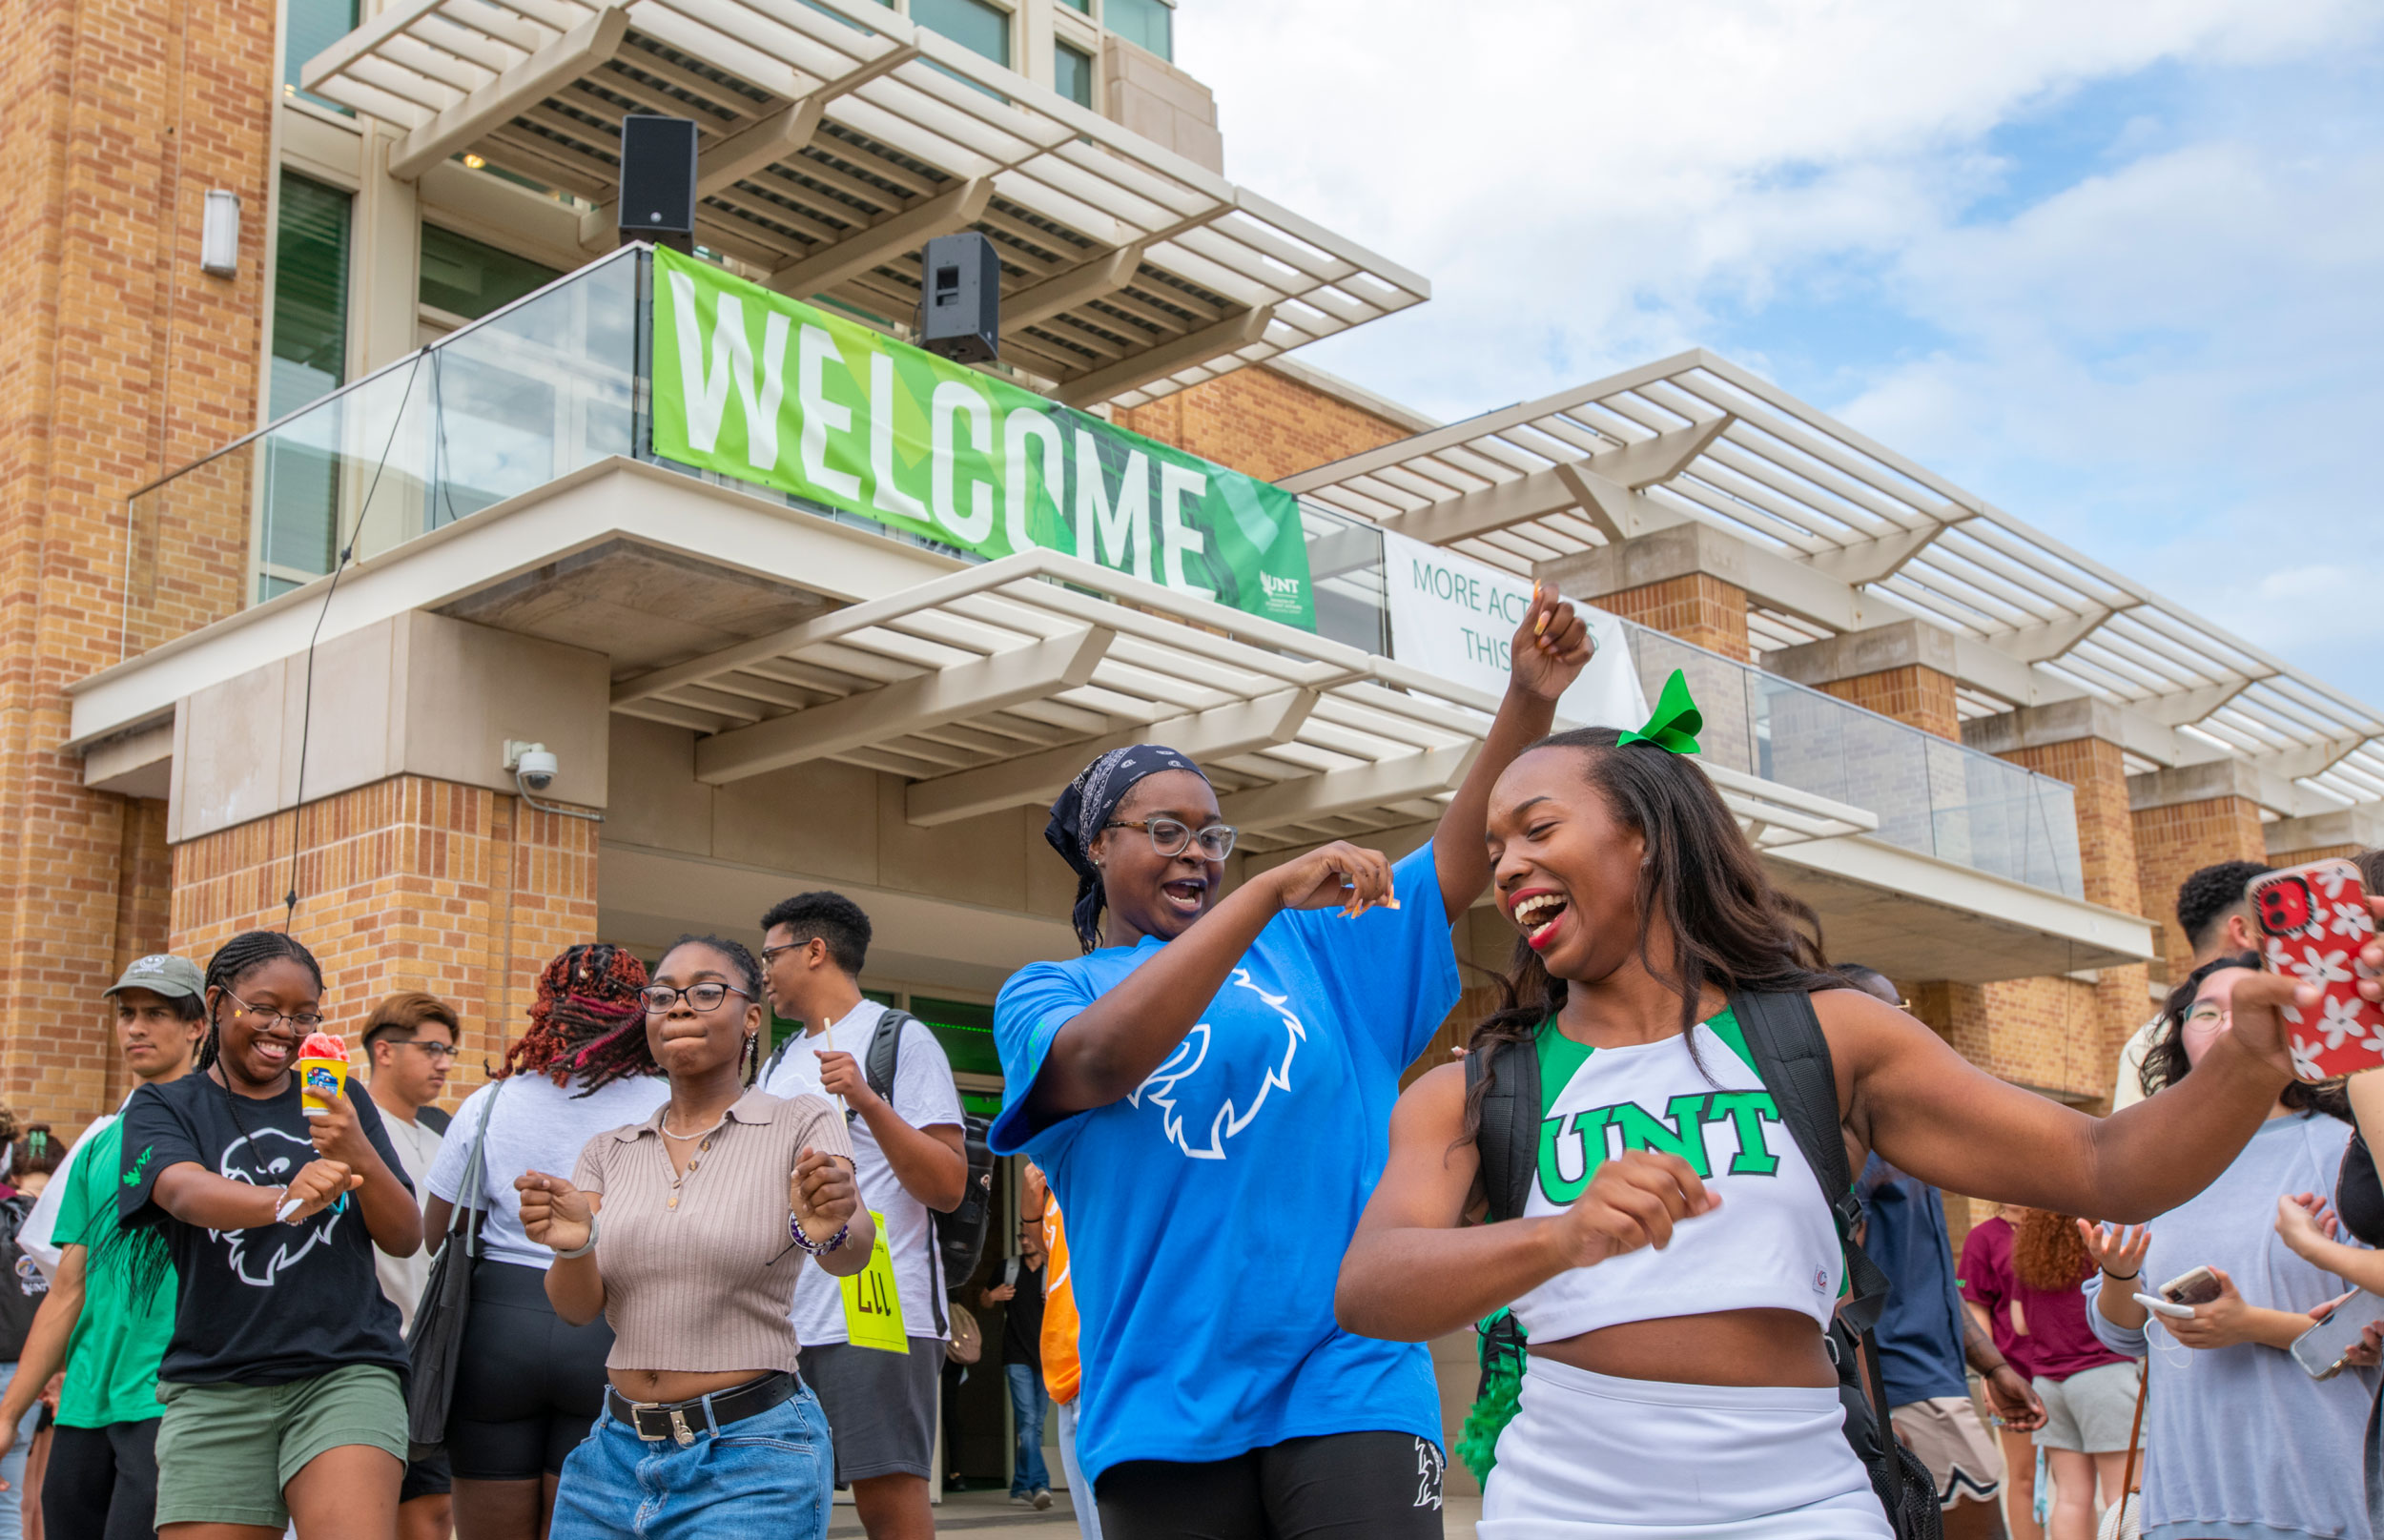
(225, 1451)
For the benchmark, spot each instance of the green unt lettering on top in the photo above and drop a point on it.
(1573, 1143)
(767, 389)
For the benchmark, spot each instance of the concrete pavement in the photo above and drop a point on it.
(991, 1511)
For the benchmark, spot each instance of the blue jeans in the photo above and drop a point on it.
(765, 1477)
(12, 1468)
(1030, 1402)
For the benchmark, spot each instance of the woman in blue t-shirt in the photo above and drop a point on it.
(1209, 1088)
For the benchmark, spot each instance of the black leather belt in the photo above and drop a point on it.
(682, 1420)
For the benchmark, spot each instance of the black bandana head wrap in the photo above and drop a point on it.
(1085, 806)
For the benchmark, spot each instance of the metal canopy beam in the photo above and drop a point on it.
(888, 239)
(920, 704)
(1228, 336)
(1220, 732)
(1308, 798)
(502, 99)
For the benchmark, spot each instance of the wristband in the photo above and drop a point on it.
(2118, 1278)
(568, 1256)
(794, 1230)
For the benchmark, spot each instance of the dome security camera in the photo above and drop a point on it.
(537, 769)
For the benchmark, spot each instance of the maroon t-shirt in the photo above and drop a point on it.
(2057, 1342)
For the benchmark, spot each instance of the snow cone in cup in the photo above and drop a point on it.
(322, 1068)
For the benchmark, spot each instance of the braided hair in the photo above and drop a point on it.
(588, 1022)
(749, 971)
(235, 961)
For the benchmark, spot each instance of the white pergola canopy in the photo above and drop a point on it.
(836, 138)
(1842, 534)
(989, 688)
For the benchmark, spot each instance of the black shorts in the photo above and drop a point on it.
(527, 1387)
(101, 1483)
(1341, 1486)
(426, 1478)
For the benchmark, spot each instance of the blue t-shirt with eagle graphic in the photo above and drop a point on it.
(274, 1303)
(1209, 1211)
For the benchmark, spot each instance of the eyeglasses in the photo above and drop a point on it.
(437, 1053)
(706, 997)
(770, 953)
(300, 1024)
(1169, 836)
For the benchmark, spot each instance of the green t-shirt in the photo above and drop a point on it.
(112, 1359)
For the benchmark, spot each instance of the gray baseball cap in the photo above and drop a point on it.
(162, 973)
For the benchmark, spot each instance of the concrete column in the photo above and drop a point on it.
(1905, 672)
(2298, 841)
(407, 883)
(2186, 819)
(1686, 582)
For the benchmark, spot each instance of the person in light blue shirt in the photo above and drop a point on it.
(1209, 1089)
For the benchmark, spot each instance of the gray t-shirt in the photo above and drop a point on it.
(2240, 1444)
(924, 1096)
(538, 1126)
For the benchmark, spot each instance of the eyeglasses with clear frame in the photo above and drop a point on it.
(302, 1025)
(704, 996)
(1171, 837)
(437, 1053)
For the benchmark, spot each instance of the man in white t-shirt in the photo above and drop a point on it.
(910, 1156)
(2215, 919)
(409, 1044)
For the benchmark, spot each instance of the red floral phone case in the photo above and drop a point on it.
(2315, 919)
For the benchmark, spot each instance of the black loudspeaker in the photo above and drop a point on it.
(961, 298)
(658, 180)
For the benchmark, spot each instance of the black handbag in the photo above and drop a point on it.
(436, 1340)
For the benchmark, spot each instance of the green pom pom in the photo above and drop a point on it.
(1498, 1399)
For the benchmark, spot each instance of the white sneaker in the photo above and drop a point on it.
(1042, 1497)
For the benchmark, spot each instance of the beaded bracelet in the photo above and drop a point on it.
(795, 1229)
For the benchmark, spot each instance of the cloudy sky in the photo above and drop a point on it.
(2117, 267)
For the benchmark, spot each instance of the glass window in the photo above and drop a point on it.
(310, 354)
(972, 24)
(1149, 24)
(1072, 74)
(1083, 6)
(470, 278)
(315, 24)
(966, 1031)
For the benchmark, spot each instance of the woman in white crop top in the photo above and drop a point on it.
(1676, 1264)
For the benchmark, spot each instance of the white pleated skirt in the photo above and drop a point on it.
(1591, 1457)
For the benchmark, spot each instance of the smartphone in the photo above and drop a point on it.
(2322, 1349)
(2161, 1307)
(2313, 919)
(2199, 1286)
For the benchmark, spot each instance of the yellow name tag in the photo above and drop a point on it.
(872, 1306)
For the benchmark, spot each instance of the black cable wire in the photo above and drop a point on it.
(306, 713)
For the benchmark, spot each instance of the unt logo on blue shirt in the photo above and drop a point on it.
(1569, 1158)
(1218, 1105)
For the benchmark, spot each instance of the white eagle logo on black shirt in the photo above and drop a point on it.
(260, 1161)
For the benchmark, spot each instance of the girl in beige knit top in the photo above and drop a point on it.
(686, 1232)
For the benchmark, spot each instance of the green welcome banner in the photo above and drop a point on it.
(755, 385)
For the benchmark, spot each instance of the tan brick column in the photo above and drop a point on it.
(120, 360)
(2052, 1043)
(1904, 671)
(1678, 580)
(2187, 818)
(408, 883)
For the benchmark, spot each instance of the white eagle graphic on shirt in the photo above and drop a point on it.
(1210, 1109)
(270, 1158)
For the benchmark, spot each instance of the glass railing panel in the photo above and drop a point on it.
(528, 394)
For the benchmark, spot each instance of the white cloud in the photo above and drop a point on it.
(2165, 363)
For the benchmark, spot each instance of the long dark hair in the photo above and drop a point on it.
(1730, 925)
(2165, 1060)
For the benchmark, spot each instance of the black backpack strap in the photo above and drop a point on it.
(885, 1052)
(1792, 1057)
(1508, 1138)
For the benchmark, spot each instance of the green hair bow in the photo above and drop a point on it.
(1676, 723)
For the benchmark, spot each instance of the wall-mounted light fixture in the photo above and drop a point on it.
(219, 235)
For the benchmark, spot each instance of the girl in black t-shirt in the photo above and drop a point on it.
(282, 1382)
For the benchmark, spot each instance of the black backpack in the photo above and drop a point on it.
(23, 1286)
(1792, 1058)
(958, 1237)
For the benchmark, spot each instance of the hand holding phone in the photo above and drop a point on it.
(2200, 1286)
(2322, 1349)
(2161, 1307)
(2313, 921)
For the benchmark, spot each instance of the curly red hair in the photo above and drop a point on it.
(588, 1022)
(2047, 1254)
